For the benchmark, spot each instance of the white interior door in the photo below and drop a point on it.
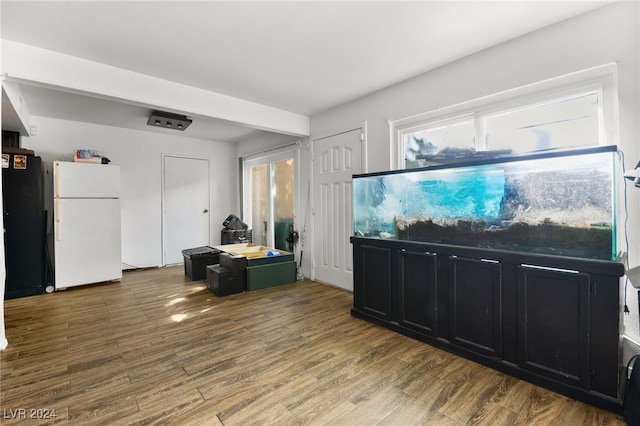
(185, 206)
(335, 159)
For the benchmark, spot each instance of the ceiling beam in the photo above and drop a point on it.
(69, 73)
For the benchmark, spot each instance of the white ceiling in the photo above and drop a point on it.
(299, 56)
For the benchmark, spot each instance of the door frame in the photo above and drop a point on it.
(163, 201)
(362, 126)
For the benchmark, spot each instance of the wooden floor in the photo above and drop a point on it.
(157, 348)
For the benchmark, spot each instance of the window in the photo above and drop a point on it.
(548, 115)
(422, 144)
(561, 123)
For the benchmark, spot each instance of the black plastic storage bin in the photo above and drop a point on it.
(197, 259)
(222, 281)
(235, 262)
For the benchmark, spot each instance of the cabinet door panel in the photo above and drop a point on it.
(554, 323)
(475, 297)
(375, 267)
(417, 291)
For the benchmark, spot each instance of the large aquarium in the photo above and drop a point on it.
(559, 203)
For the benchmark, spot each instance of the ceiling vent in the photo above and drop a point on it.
(168, 120)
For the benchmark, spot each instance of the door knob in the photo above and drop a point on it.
(205, 211)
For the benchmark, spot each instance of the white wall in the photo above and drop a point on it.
(606, 35)
(139, 154)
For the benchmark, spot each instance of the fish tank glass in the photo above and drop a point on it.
(557, 203)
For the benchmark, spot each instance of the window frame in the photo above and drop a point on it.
(602, 80)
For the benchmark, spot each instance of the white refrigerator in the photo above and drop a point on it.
(87, 236)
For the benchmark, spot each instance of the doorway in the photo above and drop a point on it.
(269, 194)
(185, 202)
(335, 159)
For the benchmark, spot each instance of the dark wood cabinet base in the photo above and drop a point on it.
(553, 321)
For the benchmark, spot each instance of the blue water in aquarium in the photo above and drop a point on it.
(470, 194)
(473, 195)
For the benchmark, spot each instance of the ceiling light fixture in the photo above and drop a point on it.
(168, 120)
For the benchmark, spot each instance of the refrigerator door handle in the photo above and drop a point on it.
(56, 216)
(57, 176)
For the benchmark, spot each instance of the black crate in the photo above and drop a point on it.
(222, 281)
(197, 259)
(235, 262)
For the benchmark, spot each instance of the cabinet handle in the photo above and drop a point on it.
(548, 268)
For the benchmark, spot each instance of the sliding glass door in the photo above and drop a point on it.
(269, 194)
(259, 205)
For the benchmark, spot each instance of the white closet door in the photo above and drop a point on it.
(186, 222)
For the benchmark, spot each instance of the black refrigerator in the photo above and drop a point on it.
(24, 225)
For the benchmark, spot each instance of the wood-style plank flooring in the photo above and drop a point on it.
(157, 348)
